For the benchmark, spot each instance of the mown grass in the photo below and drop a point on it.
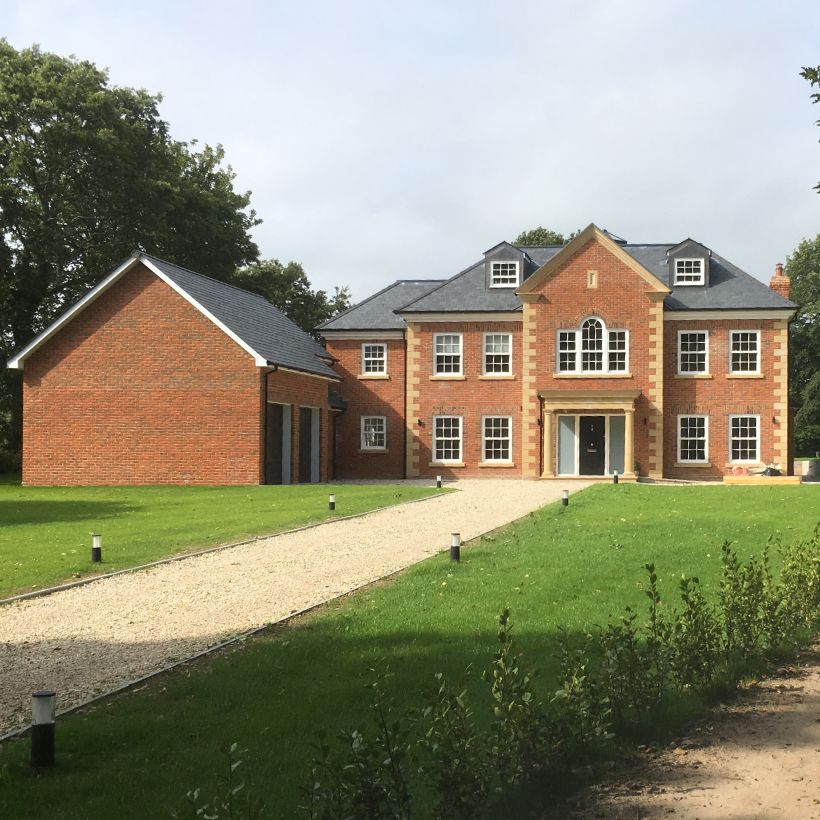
(45, 532)
(136, 755)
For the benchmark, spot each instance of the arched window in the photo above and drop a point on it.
(591, 348)
(592, 345)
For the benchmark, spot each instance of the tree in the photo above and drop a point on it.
(813, 76)
(807, 419)
(803, 269)
(287, 287)
(541, 236)
(88, 173)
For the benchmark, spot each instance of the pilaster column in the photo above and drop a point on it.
(548, 470)
(629, 443)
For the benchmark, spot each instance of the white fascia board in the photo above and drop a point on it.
(260, 361)
(455, 318)
(16, 362)
(727, 314)
(334, 335)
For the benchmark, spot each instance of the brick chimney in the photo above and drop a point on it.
(779, 283)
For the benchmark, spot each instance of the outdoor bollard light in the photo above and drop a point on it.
(438, 482)
(455, 546)
(96, 548)
(42, 729)
(565, 498)
(331, 503)
(615, 477)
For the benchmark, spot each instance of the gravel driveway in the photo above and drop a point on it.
(85, 641)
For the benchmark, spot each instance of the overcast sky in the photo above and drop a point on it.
(384, 140)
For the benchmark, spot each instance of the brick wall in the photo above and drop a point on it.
(303, 391)
(370, 396)
(720, 395)
(140, 388)
(471, 396)
(621, 301)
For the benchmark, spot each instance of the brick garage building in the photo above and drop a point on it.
(600, 356)
(162, 376)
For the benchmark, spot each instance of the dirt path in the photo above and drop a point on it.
(757, 759)
(88, 640)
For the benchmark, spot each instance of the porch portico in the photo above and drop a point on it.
(588, 433)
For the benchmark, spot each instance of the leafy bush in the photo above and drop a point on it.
(621, 674)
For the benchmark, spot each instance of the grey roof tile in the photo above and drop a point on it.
(729, 288)
(377, 311)
(253, 319)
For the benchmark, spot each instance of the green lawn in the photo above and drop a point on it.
(135, 755)
(45, 532)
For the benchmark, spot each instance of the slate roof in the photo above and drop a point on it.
(256, 322)
(729, 288)
(377, 311)
(253, 319)
(467, 291)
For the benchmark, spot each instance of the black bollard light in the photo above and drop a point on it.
(565, 498)
(438, 482)
(42, 728)
(96, 549)
(615, 477)
(455, 546)
(331, 502)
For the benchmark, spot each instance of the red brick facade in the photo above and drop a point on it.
(141, 388)
(297, 391)
(596, 279)
(721, 394)
(382, 395)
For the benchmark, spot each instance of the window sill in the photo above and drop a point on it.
(496, 464)
(692, 464)
(373, 450)
(448, 378)
(592, 375)
(446, 464)
(745, 376)
(369, 376)
(694, 376)
(496, 377)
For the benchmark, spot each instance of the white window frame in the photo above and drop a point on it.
(436, 354)
(509, 439)
(505, 284)
(705, 459)
(756, 371)
(460, 439)
(705, 371)
(363, 441)
(508, 371)
(679, 282)
(365, 359)
(578, 336)
(756, 458)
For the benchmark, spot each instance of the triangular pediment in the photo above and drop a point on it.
(592, 233)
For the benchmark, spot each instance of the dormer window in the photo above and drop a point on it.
(504, 274)
(689, 272)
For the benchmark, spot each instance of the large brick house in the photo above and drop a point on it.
(659, 360)
(160, 375)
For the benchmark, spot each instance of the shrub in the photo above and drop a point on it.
(696, 638)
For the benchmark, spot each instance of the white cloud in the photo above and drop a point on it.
(382, 142)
